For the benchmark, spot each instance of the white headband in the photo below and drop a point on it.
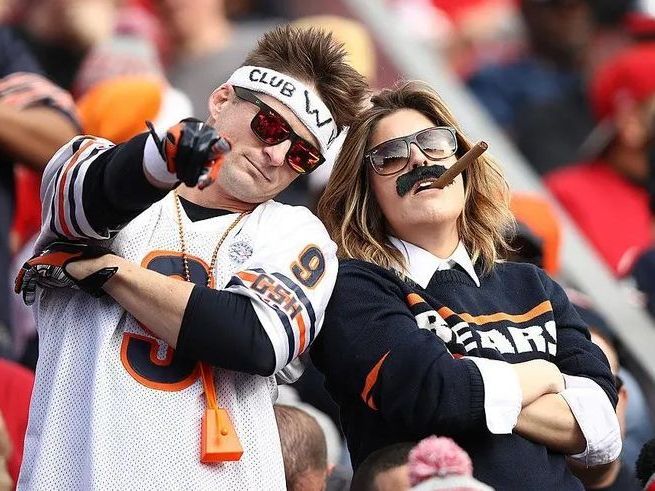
(302, 100)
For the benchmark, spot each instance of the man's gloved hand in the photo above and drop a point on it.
(48, 270)
(192, 150)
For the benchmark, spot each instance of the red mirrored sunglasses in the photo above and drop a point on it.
(273, 129)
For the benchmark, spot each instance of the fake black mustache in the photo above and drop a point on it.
(444, 177)
(406, 182)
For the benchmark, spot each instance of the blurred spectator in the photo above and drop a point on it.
(539, 96)
(60, 33)
(115, 109)
(539, 232)
(15, 392)
(439, 463)
(205, 46)
(303, 449)
(6, 482)
(131, 49)
(646, 466)
(554, 133)
(288, 396)
(606, 195)
(558, 31)
(483, 32)
(36, 118)
(637, 425)
(643, 273)
(618, 475)
(384, 470)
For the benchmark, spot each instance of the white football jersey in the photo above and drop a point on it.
(112, 407)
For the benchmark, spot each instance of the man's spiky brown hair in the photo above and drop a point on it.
(314, 57)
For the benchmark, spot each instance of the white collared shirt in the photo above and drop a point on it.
(421, 264)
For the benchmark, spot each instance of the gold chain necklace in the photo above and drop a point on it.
(180, 227)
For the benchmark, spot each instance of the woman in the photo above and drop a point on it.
(429, 332)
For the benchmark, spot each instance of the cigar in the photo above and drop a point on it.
(458, 167)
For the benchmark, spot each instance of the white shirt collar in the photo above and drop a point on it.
(421, 264)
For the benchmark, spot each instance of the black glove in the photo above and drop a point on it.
(192, 151)
(48, 270)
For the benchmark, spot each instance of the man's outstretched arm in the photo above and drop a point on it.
(91, 187)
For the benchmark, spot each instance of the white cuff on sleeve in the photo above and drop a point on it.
(597, 420)
(502, 394)
(293, 371)
(154, 166)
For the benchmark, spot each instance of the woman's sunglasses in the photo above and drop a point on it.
(392, 156)
(273, 129)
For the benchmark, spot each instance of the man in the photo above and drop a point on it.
(6, 481)
(204, 44)
(36, 118)
(114, 406)
(617, 475)
(559, 36)
(304, 449)
(606, 196)
(384, 470)
(15, 391)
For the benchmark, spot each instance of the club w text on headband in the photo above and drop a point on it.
(302, 100)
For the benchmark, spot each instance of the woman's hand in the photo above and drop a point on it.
(537, 378)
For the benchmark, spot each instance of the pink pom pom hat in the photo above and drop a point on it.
(438, 463)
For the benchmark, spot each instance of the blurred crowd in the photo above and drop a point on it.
(571, 82)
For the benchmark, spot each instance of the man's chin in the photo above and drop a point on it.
(252, 194)
(253, 200)
(246, 186)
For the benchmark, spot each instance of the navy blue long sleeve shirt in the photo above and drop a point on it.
(395, 381)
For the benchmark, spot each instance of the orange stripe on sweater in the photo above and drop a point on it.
(542, 308)
(413, 299)
(371, 379)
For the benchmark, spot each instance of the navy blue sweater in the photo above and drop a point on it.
(395, 381)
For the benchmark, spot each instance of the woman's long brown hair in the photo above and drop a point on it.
(353, 217)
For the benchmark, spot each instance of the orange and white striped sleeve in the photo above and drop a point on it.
(289, 279)
(62, 208)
